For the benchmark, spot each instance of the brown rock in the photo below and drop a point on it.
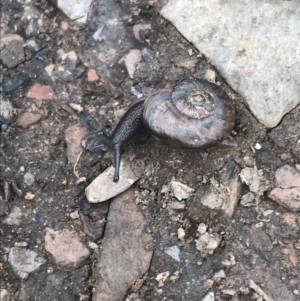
(92, 75)
(103, 187)
(74, 135)
(138, 27)
(261, 240)
(65, 248)
(6, 39)
(267, 278)
(288, 198)
(287, 177)
(131, 60)
(40, 92)
(27, 119)
(126, 255)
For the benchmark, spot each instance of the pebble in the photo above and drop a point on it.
(140, 27)
(92, 245)
(174, 252)
(29, 178)
(74, 215)
(288, 198)
(103, 187)
(249, 199)
(202, 228)
(6, 113)
(255, 179)
(14, 217)
(57, 244)
(40, 92)
(260, 240)
(78, 11)
(33, 45)
(210, 75)
(76, 107)
(21, 244)
(73, 136)
(131, 60)
(92, 76)
(287, 177)
(13, 54)
(24, 261)
(180, 233)
(126, 249)
(209, 297)
(207, 243)
(180, 190)
(27, 119)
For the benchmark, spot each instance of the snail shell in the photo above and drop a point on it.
(196, 114)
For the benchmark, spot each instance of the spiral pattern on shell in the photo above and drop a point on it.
(196, 114)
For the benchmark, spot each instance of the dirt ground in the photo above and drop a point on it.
(254, 245)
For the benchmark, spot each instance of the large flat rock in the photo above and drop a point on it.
(126, 249)
(254, 44)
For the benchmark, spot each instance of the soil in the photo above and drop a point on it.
(40, 150)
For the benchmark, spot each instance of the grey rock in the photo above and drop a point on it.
(92, 229)
(225, 194)
(103, 187)
(13, 83)
(126, 250)
(6, 111)
(29, 178)
(23, 260)
(259, 61)
(174, 252)
(75, 11)
(14, 217)
(33, 45)
(13, 54)
(260, 240)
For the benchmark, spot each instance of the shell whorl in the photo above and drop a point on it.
(195, 114)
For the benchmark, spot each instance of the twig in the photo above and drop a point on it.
(255, 287)
(75, 165)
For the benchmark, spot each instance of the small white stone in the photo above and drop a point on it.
(22, 244)
(74, 215)
(23, 275)
(76, 107)
(202, 228)
(180, 190)
(257, 146)
(173, 252)
(92, 245)
(181, 233)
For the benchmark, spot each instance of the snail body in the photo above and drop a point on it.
(195, 114)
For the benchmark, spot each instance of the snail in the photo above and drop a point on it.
(195, 114)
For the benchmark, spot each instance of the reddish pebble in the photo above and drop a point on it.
(92, 76)
(64, 25)
(74, 135)
(288, 198)
(287, 177)
(285, 156)
(40, 92)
